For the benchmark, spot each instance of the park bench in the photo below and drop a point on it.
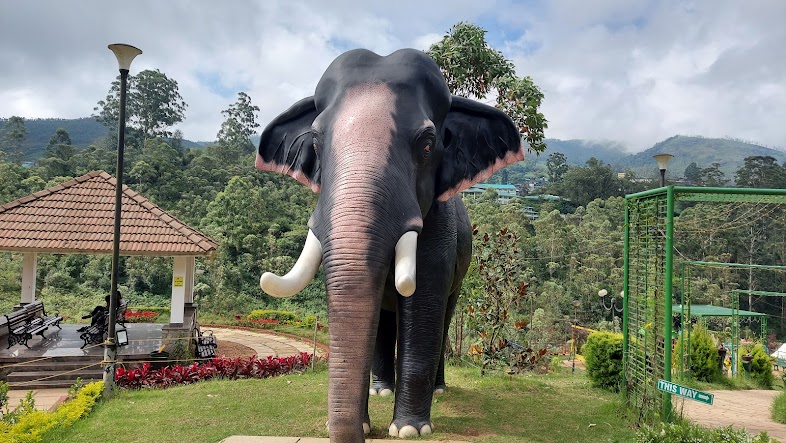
(96, 333)
(29, 320)
(205, 344)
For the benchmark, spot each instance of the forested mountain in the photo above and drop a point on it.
(577, 152)
(83, 132)
(730, 154)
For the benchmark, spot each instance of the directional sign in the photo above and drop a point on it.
(686, 392)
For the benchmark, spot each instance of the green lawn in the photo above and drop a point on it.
(496, 408)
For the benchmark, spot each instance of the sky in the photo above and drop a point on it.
(634, 72)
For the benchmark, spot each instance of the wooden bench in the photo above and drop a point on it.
(26, 322)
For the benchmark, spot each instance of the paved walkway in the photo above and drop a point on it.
(251, 439)
(262, 342)
(741, 409)
(45, 399)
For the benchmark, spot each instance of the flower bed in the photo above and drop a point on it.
(220, 367)
(133, 316)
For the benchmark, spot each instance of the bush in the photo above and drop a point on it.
(603, 359)
(703, 355)
(688, 432)
(761, 364)
(33, 426)
(272, 314)
(134, 316)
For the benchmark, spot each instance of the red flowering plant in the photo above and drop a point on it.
(141, 316)
(219, 367)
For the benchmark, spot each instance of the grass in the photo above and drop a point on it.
(779, 408)
(493, 409)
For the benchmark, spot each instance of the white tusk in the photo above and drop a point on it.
(301, 274)
(406, 256)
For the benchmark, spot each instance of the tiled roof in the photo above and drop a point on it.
(78, 217)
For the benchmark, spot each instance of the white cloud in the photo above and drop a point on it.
(636, 71)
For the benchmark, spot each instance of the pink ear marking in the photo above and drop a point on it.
(510, 157)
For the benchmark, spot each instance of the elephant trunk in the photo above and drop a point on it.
(354, 280)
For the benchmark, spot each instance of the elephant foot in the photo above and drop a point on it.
(366, 427)
(440, 389)
(381, 389)
(407, 430)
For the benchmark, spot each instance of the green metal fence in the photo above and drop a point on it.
(648, 275)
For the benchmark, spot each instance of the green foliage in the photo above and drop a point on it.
(33, 426)
(272, 314)
(684, 432)
(703, 355)
(603, 359)
(473, 68)
(761, 364)
(779, 408)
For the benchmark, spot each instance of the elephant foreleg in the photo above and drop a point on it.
(383, 366)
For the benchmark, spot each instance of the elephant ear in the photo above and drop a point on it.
(479, 140)
(286, 145)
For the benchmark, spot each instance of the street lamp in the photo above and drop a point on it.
(663, 160)
(576, 306)
(125, 55)
(613, 307)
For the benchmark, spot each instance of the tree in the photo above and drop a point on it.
(581, 185)
(57, 160)
(13, 137)
(712, 176)
(693, 173)
(472, 68)
(557, 165)
(761, 172)
(237, 129)
(154, 104)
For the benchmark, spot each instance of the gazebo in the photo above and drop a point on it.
(77, 217)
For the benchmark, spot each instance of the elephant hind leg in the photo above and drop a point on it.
(383, 366)
(439, 383)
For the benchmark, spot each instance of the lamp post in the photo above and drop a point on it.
(125, 55)
(576, 306)
(663, 160)
(613, 307)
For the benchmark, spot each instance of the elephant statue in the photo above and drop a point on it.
(388, 149)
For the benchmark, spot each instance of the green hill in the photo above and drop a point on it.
(578, 152)
(730, 154)
(83, 132)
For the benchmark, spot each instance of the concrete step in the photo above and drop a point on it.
(28, 376)
(47, 384)
(59, 366)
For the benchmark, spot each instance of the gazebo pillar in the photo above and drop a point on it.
(182, 289)
(29, 271)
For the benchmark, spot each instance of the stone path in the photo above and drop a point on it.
(45, 399)
(263, 343)
(741, 409)
(251, 439)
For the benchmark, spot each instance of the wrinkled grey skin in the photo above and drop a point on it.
(387, 147)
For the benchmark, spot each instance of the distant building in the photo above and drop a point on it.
(505, 193)
(543, 197)
(530, 212)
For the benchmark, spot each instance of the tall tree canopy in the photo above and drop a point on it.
(474, 69)
(154, 104)
(12, 137)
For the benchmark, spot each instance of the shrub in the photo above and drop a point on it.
(33, 426)
(688, 432)
(220, 367)
(272, 314)
(761, 364)
(603, 359)
(703, 355)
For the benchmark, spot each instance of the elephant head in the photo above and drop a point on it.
(381, 140)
